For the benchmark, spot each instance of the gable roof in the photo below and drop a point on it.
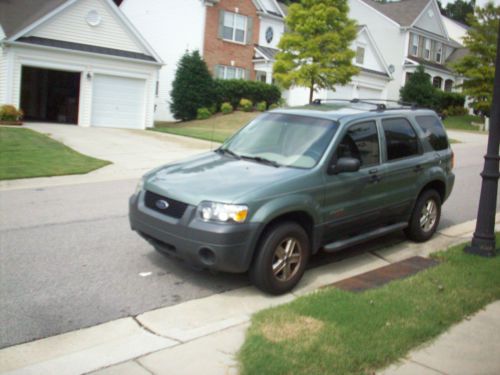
(403, 12)
(16, 15)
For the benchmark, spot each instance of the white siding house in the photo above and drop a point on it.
(76, 62)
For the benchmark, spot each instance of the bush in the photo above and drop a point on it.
(233, 90)
(203, 113)
(456, 111)
(10, 113)
(226, 108)
(273, 106)
(246, 105)
(446, 100)
(213, 109)
(419, 90)
(193, 87)
(261, 106)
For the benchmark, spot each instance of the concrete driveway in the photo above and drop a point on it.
(132, 152)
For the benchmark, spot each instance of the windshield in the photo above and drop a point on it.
(283, 140)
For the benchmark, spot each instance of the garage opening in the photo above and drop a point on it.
(50, 95)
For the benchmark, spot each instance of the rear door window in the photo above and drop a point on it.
(434, 132)
(400, 138)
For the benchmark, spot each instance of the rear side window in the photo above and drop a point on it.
(361, 142)
(434, 132)
(400, 138)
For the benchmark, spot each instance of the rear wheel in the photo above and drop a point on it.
(425, 218)
(281, 259)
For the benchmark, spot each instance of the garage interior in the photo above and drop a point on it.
(50, 95)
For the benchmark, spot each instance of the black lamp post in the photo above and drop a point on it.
(483, 242)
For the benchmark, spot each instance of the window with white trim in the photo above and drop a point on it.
(439, 52)
(427, 49)
(230, 72)
(414, 45)
(235, 27)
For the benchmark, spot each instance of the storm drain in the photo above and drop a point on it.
(386, 274)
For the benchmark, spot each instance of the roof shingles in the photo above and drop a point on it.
(403, 12)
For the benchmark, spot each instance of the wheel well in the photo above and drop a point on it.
(300, 217)
(437, 185)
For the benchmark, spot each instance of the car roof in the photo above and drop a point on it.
(347, 114)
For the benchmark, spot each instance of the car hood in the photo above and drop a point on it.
(214, 177)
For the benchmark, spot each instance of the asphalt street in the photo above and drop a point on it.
(69, 260)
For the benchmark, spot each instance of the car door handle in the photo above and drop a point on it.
(373, 171)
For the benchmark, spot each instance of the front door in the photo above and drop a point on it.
(353, 199)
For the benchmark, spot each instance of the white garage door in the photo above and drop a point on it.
(369, 93)
(118, 102)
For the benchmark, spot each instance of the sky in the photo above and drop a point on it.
(478, 2)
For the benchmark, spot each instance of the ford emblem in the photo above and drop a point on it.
(162, 204)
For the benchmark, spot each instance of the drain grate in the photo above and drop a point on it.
(386, 274)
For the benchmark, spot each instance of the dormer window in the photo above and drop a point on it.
(427, 50)
(360, 55)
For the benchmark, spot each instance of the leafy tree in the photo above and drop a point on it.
(419, 89)
(315, 49)
(193, 87)
(478, 67)
(459, 10)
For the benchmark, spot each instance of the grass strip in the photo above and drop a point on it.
(338, 332)
(26, 153)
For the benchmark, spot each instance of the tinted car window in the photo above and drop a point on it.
(361, 142)
(401, 139)
(434, 131)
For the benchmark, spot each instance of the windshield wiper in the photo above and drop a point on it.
(261, 160)
(229, 152)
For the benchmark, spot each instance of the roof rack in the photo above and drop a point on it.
(378, 106)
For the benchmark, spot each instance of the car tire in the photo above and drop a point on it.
(425, 217)
(283, 253)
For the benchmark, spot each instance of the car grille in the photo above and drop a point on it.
(175, 208)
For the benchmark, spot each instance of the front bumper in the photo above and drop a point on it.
(218, 246)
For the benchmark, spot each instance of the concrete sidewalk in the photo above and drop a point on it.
(132, 152)
(202, 336)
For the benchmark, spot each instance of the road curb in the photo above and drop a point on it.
(167, 330)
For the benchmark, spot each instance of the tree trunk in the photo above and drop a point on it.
(311, 91)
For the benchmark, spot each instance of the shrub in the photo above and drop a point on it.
(446, 100)
(213, 109)
(193, 87)
(203, 113)
(419, 90)
(246, 105)
(456, 111)
(10, 113)
(273, 106)
(261, 106)
(226, 108)
(233, 90)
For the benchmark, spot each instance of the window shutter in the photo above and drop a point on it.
(221, 24)
(249, 30)
(421, 41)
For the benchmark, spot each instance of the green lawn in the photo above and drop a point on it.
(25, 153)
(462, 122)
(338, 332)
(217, 128)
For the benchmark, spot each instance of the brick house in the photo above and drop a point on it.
(226, 32)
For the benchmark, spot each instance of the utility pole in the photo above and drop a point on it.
(483, 242)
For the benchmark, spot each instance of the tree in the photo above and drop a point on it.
(419, 89)
(459, 10)
(315, 49)
(478, 67)
(193, 87)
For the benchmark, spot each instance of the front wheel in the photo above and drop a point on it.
(425, 218)
(281, 260)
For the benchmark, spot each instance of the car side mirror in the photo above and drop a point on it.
(344, 165)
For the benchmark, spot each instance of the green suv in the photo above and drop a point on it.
(295, 181)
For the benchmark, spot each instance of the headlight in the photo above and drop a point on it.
(212, 211)
(140, 186)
